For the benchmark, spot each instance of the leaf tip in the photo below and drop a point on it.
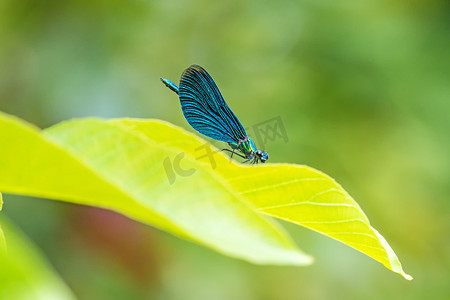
(395, 264)
(302, 259)
(397, 268)
(307, 259)
(407, 277)
(291, 257)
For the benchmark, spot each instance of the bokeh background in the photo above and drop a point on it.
(362, 88)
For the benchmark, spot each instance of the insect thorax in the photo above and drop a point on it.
(246, 146)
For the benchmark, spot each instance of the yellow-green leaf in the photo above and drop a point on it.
(295, 193)
(2, 240)
(24, 273)
(162, 175)
(2, 235)
(98, 163)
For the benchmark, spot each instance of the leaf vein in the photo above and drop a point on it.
(333, 222)
(281, 184)
(367, 246)
(331, 233)
(307, 203)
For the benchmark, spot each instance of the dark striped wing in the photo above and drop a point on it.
(205, 109)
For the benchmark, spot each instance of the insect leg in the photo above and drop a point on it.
(232, 152)
(247, 160)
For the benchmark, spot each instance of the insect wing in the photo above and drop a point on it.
(205, 109)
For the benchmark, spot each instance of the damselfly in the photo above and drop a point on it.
(207, 112)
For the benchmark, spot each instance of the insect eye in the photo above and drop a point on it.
(259, 152)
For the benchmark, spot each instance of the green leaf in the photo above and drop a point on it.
(24, 273)
(98, 163)
(2, 235)
(294, 193)
(129, 166)
(2, 240)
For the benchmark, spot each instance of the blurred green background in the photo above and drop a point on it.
(362, 88)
